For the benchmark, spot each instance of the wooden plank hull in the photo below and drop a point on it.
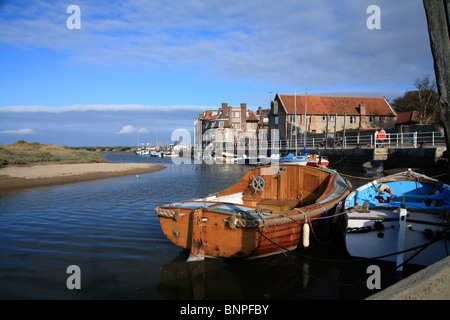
(247, 220)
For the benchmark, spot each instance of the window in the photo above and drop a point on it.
(324, 118)
(243, 126)
(276, 120)
(372, 119)
(352, 119)
(292, 119)
(236, 114)
(331, 118)
(236, 125)
(381, 118)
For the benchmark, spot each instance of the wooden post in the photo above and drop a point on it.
(438, 20)
(197, 244)
(334, 134)
(343, 138)
(326, 137)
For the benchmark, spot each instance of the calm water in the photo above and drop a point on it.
(109, 229)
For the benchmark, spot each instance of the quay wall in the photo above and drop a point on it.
(391, 157)
(431, 283)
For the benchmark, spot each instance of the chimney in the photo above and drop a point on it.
(243, 114)
(225, 108)
(362, 116)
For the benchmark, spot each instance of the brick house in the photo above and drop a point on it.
(228, 125)
(317, 114)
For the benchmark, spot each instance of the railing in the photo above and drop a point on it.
(392, 140)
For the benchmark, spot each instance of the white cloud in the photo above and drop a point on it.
(101, 108)
(127, 129)
(143, 130)
(19, 131)
(130, 129)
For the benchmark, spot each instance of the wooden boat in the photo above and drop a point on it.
(262, 214)
(406, 211)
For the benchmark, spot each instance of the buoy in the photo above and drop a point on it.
(306, 234)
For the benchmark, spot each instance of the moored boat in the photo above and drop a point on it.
(262, 214)
(373, 167)
(310, 159)
(317, 161)
(401, 218)
(294, 159)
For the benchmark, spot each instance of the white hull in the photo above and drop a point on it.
(301, 163)
(377, 234)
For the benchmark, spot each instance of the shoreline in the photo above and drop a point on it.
(46, 174)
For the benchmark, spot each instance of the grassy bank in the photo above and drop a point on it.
(23, 152)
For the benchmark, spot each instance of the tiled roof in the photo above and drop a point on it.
(335, 105)
(209, 116)
(407, 117)
(411, 117)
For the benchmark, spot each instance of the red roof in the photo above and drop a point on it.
(335, 105)
(209, 116)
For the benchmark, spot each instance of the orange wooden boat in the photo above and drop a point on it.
(262, 214)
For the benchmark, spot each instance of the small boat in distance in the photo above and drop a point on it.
(294, 159)
(316, 160)
(310, 159)
(401, 218)
(143, 151)
(373, 167)
(265, 213)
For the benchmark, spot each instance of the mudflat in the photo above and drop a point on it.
(14, 177)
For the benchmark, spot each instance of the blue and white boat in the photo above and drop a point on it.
(401, 218)
(293, 159)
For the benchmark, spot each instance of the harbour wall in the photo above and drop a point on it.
(391, 157)
(430, 283)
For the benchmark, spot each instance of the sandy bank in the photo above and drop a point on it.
(14, 177)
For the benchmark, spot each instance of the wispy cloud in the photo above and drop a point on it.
(100, 108)
(130, 129)
(19, 131)
(320, 44)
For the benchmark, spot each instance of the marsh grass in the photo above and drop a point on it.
(23, 152)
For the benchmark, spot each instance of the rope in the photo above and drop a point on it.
(355, 177)
(284, 251)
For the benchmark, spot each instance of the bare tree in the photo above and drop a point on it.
(428, 101)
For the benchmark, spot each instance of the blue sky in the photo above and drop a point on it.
(152, 66)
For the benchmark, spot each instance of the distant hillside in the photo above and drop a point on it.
(23, 152)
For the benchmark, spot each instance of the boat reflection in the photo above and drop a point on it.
(266, 278)
(291, 276)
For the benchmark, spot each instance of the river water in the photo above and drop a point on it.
(108, 228)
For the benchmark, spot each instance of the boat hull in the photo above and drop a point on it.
(219, 240)
(316, 163)
(408, 224)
